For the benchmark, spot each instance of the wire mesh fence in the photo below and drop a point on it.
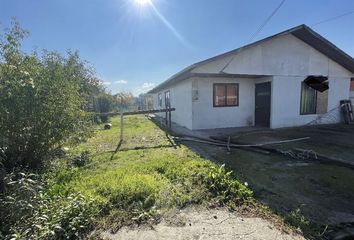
(139, 133)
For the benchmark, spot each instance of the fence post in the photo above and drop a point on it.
(166, 119)
(169, 117)
(121, 125)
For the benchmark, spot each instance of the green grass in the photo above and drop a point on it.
(138, 132)
(136, 182)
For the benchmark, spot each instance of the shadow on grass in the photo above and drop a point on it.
(119, 149)
(143, 148)
(291, 185)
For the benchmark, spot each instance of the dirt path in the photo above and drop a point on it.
(192, 223)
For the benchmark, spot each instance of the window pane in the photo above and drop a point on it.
(219, 91)
(308, 100)
(167, 99)
(160, 100)
(231, 91)
(352, 84)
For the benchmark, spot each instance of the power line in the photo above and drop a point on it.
(332, 18)
(266, 21)
(258, 30)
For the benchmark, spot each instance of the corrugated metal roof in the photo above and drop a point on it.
(302, 32)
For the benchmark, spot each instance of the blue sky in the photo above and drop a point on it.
(134, 47)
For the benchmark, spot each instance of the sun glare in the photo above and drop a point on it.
(143, 2)
(144, 5)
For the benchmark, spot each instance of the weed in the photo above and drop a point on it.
(81, 160)
(27, 212)
(133, 187)
(296, 219)
(224, 188)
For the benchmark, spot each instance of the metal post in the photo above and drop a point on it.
(228, 145)
(169, 117)
(166, 119)
(121, 125)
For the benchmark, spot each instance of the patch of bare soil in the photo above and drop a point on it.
(201, 223)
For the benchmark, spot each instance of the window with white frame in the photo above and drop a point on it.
(159, 99)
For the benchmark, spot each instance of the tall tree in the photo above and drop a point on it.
(44, 101)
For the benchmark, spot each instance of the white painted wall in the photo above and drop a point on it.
(181, 99)
(284, 55)
(286, 97)
(206, 116)
(285, 102)
(286, 94)
(338, 90)
(286, 58)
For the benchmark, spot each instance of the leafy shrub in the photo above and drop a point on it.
(81, 160)
(310, 229)
(97, 119)
(2, 171)
(295, 218)
(43, 101)
(27, 212)
(2, 179)
(18, 199)
(223, 187)
(213, 181)
(104, 103)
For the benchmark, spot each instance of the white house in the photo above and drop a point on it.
(285, 80)
(352, 90)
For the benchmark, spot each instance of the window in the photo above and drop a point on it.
(352, 84)
(308, 100)
(159, 99)
(167, 99)
(314, 95)
(225, 94)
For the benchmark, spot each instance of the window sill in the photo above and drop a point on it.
(225, 106)
(307, 114)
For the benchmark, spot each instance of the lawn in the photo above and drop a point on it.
(138, 132)
(138, 185)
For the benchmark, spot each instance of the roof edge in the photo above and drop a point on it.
(185, 73)
(197, 64)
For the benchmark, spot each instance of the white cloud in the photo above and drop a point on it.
(121, 82)
(145, 87)
(107, 82)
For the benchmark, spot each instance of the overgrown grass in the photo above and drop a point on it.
(160, 176)
(138, 132)
(135, 185)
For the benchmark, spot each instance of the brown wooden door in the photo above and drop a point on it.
(263, 98)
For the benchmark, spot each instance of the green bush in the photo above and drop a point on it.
(104, 103)
(43, 101)
(18, 199)
(310, 229)
(224, 188)
(81, 160)
(28, 212)
(213, 183)
(2, 171)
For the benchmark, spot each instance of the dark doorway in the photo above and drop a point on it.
(262, 112)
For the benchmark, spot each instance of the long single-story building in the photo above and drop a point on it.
(285, 80)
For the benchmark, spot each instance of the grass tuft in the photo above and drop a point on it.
(137, 185)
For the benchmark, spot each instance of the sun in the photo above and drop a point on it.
(143, 2)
